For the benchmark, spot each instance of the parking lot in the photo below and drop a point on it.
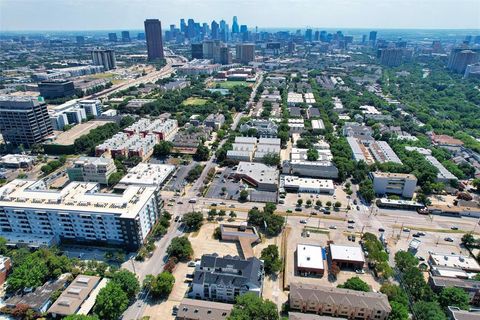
(220, 181)
(177, 181)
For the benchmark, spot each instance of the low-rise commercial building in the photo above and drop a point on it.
(338, 302)
(78, 213)
(394, 183)
(147, 174)
(443, 174)
(457, 261)
(76, 297)
(223, 279)
(310, 260)
(471, 287)
(92, 169)
(350, 257)
(299, 164)
(245, 235)
(298, 184)
(263, 177)
(17, 161)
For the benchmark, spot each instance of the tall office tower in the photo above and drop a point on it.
(364, 39)
(309, 35)
(215, 30)
(225, 56)
(323, 36)
(112, 37)
(190, 29)
(316, 36)
(197, 50)
(172, 28)
(141, 36)
(391, 57)
(56, 88)
(373, 36)
(183, 25)
(235, 28)
(153, 33)
(24, 120)
(245, 53)
(125, 36)
(291, 47)
(80, 40)
(461, 58)
(208, 49)
(105, 58)
(205, 29)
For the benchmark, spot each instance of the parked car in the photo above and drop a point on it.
(177, 218)
(333, 227)
(191, 264)
(351, 221)
(360, 271)
(406, 230)
(303, 221)
(381, 230)
(350, 227)
(298, 209)
(448, 239)
(454, 228)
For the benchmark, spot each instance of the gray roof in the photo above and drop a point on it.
(246, 271)
(314, 112)
(456, 282)
(200, 309)
(322, 294)
(294, 111)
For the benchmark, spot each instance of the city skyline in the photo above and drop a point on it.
(355, 14)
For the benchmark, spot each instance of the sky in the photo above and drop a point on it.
(60, 15)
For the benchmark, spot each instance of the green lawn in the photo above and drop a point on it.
(194, 101)
(231, 84)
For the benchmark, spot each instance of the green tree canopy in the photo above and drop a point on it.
(271, 258)
(249, 306)
(111, 302)
(355, 283)
(193, 220)
(127, 281)
(181, 248)
(161, 285)
(428, 311)
(452, 296)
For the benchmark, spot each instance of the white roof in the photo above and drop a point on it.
(309, 256)
(148, 174)
(352, 253)
(454, 261)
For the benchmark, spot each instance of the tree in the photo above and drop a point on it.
(127, 281)
(161, 285)
(338, 204)
(271, 159)
(394, 293)
(111, 302)
(232, 215)
(468, 240)
(250, 306)
(181, 248)
(163, 148)
(193, 220)
(476, 183)
(222, 213)
(399, 311)
(424, 310)
(355, 283)
(405, 260)
(452, 296)
(271, 259)
(80, 317)
(312, 154)
(202, 153)
(334, 269)
(366, 190)
(115, 178)
(243, 195)
(299, 202)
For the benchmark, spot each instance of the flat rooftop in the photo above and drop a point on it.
(346, 253)
(309, 256)
(454, 261)
(76, 196)
(394, 175)
(148, 174)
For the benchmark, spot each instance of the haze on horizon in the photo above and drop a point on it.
(57, 15)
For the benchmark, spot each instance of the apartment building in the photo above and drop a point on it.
(92, 169)
(250, 149)
(163, 129)
(336, 302)
(125, 145)
(215, 121)
(191, 309)
(264, 128)
(394, 183)
(78, 213)
(222, 279)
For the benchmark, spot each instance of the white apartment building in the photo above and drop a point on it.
(92, 169)
(394, 183)
(78, 213)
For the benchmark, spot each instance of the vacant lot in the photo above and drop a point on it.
(194, 101)
(68, 137)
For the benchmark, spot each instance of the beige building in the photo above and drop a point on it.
(92, 169)
(338, 302)
(191, 309)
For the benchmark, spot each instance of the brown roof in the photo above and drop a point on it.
(338, 296)
(201, 310)
(444, 139)
(308, 316)
(74, 295)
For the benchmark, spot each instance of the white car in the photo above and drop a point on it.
(303, 221)
(333, 227)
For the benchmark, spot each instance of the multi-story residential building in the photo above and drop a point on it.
(336, 302)
(223, 279)
(125, 145)
(92, 169)
(191, 309)
(470, 286)
(24, 120)
(105, 58)
(394, 183)
(78, 213)
(215, 121)
(443, 174)
(353, 129)
(56, 88)
(163, 129)
(265, 128)
(460, 58)
(153, 33)
(245, 53)
(92, 107)
(392, 57)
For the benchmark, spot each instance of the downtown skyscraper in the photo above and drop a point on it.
(153, 34)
